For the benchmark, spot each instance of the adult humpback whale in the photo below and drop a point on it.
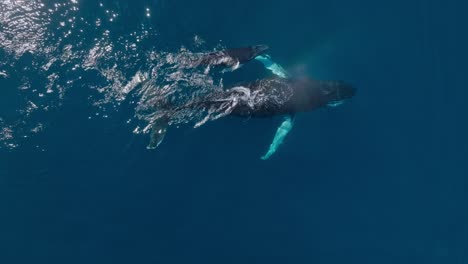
(275, 96)
(263, 98)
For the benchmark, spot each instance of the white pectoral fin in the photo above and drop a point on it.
(158, 132)
(281, 133)
(274, 67)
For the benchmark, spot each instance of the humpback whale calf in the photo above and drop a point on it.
(230, 58)
(279, 95)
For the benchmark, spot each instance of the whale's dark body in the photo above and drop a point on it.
(278, 96)
(261, 98)
(230, 58)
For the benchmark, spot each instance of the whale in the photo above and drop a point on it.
(230, 58)
(264, 98)
(278, 95)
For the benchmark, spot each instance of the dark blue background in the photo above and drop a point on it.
(381, 179)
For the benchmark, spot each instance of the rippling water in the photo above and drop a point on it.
(49, 48)
(382, 179)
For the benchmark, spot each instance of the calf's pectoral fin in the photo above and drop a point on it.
(272, 66)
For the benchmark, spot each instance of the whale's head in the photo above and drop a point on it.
(259, 49)
(310, 94)
(334, 93)
(245, 54)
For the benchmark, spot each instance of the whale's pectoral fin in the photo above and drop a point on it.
(281, 133)
(158, 132)
(274, 67)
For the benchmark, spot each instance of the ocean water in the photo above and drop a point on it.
(379, 179)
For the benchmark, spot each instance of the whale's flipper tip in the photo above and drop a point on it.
(158, 133)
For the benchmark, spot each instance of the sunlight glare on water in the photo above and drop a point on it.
(58, 48)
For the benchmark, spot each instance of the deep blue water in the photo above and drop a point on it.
(380, 179)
